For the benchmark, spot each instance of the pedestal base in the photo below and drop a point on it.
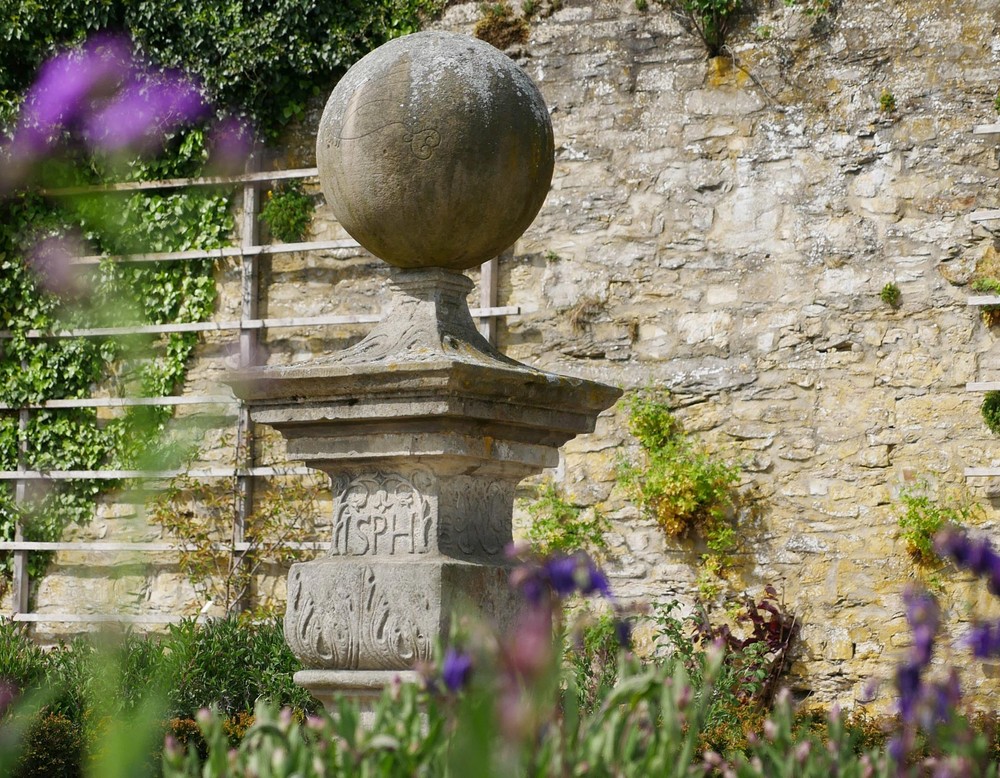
(362, 687)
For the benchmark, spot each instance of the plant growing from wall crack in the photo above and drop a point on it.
(687, 490)
(561, 527)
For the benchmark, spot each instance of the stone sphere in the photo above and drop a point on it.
(435, 150)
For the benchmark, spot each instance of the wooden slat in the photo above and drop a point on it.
(488, 283)
(984, 216)
(219, 253)
(104, 547)
(211, 326)
(113, 475)
(981, 472)
(176, 183)
(98, 618)
(125, 402)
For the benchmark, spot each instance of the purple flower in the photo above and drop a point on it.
(984, 640)
(924, 618)
(65, 86)
(561, 574)
(51, 260)
(976, 556)
(146, 108)
(623, 632)
(456, 669)
(230, 142)
(909, 687)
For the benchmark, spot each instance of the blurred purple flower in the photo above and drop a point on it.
(984, 640)
(103, 96)
(66, 85)
(528, 650)
(230, 142)
(976, 556)
(563, 575)
(924, 618)
(51, 260)
(146, 108)
(456, 669)
(910, 688)
(623, 632)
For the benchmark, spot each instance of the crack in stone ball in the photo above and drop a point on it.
(435, 150)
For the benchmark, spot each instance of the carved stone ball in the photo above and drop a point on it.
(435, 150)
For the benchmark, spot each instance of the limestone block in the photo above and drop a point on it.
(355, 614)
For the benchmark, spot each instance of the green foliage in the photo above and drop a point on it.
(990, 410)
(890, 295)
(499, 26)
(262, 58)
(53, 747)
(591, 658)
(202, 515)
(560, 527)
(709, 20)
(996, 103)
(287, 212)
(887, 101)
(921, 516)
(990, 314)
(642, 5)
(684, 488)
(812, 7)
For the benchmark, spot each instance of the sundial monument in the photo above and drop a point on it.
(435, 152)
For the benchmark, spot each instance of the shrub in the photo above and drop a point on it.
(499, 26)
(922, 516)
(684, 488)
(709, 20)
(53, 748)
(887, 101)
(560, 527)
(890, 295)
(990, 314)
(990, 410)
(287, 211)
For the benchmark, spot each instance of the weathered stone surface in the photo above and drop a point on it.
(435, 150)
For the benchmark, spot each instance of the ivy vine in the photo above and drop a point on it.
(263, 60)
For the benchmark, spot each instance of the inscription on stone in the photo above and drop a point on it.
(382, 514)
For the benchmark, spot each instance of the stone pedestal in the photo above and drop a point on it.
(425, 431)
(435, 152)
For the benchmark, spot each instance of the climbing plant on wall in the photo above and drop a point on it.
(262, 60)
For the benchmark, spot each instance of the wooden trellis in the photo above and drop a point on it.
(247, 328)
(981, 217)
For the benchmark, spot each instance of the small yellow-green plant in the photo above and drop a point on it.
(560, 527)
(922, 516)
(499, 26)
(990, 410)
(887, 101)
(988, 285)
(890, 295)
(996, 102)
(287, 212)
(685, 488)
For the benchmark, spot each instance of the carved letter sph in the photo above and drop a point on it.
(382, 514)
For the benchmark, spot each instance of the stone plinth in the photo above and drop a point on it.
(425, 430)
(435, 151)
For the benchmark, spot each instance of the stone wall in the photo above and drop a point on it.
(723, 231)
